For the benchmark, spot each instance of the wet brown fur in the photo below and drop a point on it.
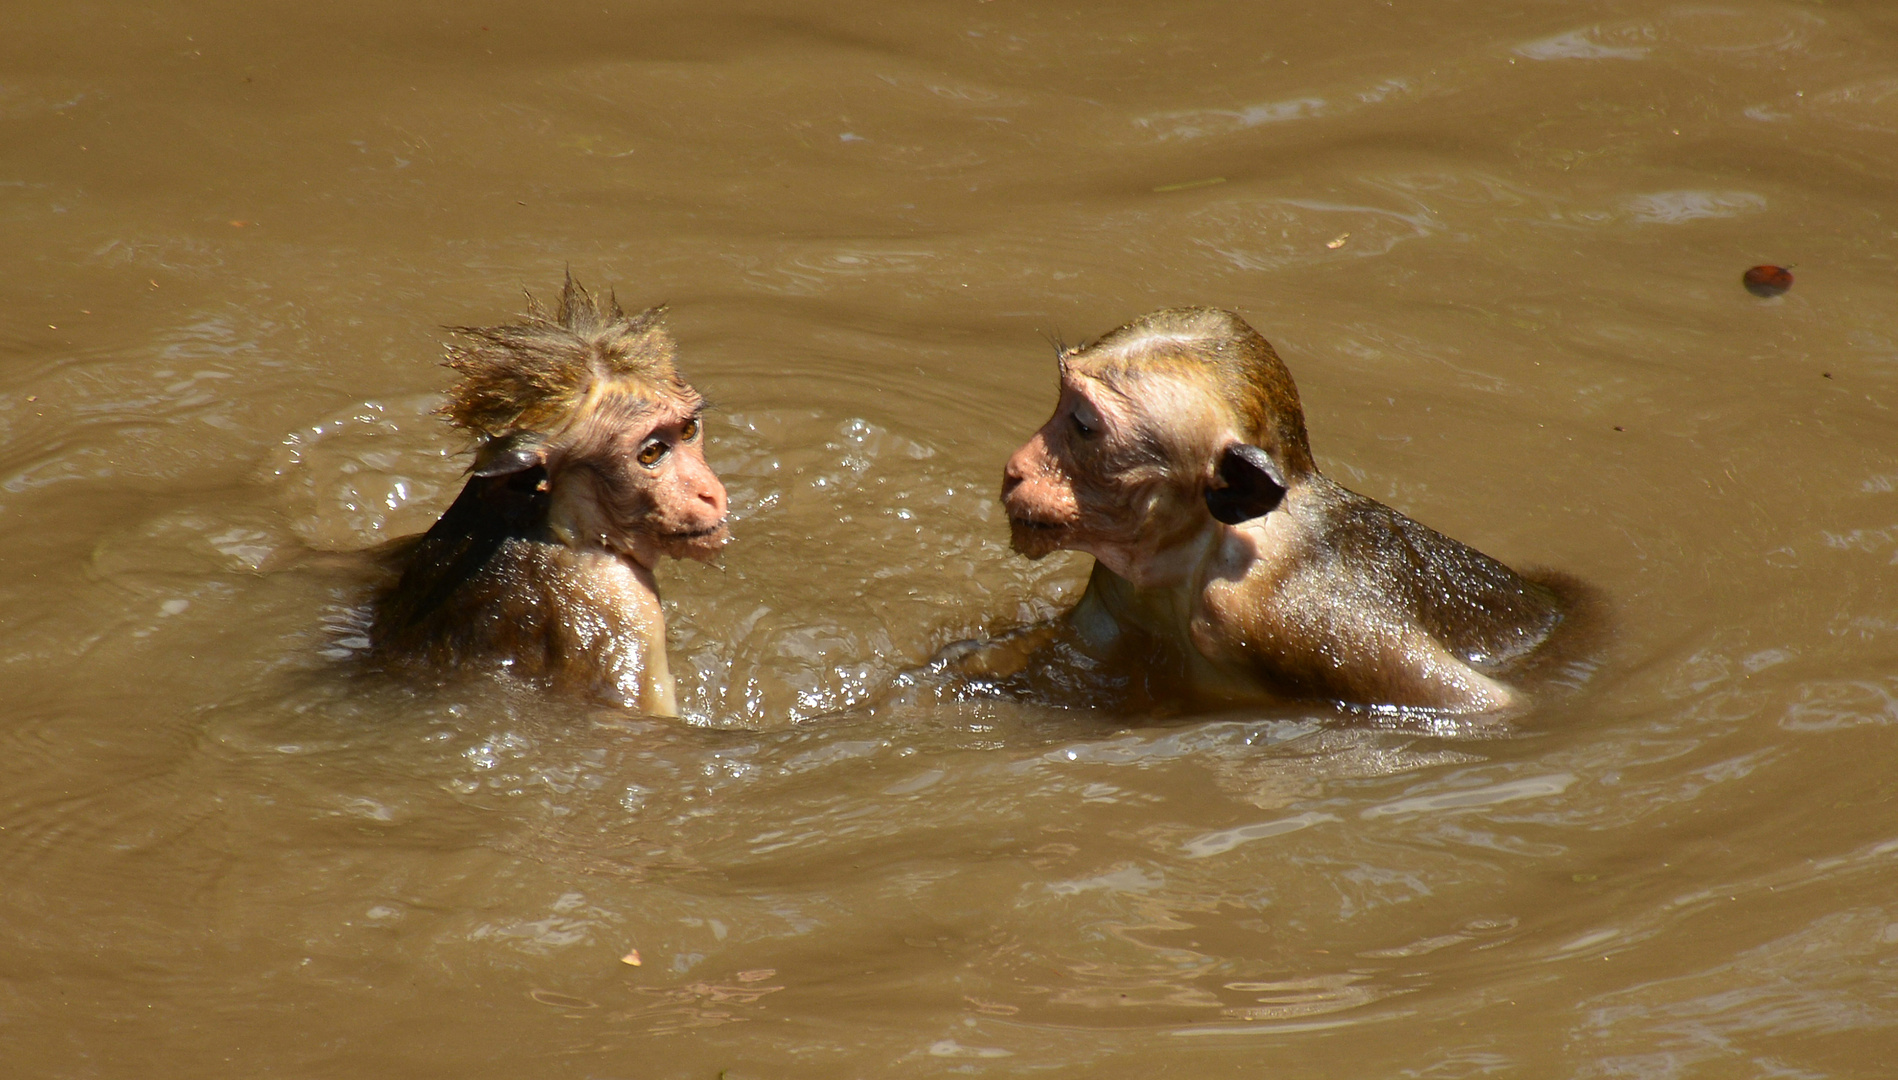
(542, 567)
(1323, 593)
(532, 375)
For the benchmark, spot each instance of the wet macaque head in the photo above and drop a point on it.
(1175, 420)
(584, 406)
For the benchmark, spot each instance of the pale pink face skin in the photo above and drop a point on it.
(1118, 477)
(635, 482)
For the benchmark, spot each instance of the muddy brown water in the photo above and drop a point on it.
(1500, 246)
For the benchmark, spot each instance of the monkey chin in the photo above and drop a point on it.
(703, 545)
(1036, 539)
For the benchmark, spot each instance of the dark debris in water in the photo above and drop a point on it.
(1767, 281)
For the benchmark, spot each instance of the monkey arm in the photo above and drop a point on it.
(1000, 657)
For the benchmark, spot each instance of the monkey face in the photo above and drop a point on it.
(1118, 471)
(634, 480)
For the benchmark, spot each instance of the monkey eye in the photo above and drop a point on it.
(690, 431)
(651, 452)
(1082, 427)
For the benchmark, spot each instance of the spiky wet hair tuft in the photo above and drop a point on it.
(531, 375)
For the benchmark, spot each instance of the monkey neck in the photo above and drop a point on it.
(1170, 564)
(576, 520)
(1159, 599)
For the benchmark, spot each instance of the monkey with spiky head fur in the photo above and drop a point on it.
(589, 466)
(1226, 566)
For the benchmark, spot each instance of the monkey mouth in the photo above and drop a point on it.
(702, 545)
(1033, 523)
(1034, 538)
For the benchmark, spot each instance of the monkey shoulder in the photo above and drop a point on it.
(463, 599)
(441, 572)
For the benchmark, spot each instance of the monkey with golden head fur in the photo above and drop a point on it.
(589, 466)
(1227, 568)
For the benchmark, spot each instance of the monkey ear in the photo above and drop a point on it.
(1252, 485)
(510, 454)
